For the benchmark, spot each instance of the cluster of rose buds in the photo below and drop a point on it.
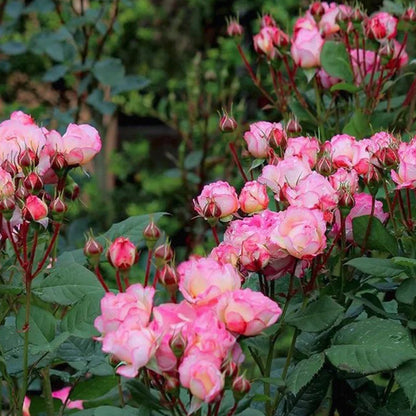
(35, 186)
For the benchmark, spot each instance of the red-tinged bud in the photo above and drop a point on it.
(279, 138)
(163, 254)
(346, 198)
(267, 21)
(9, 167)
(241, 386)
(324, 166)
(229, 368)
(28, 158)
(409, 15)
(167, 276)
(178, 344)
(350, 27)
(33, 182)
(151, 234)
(22, 193)
(280, 38)
(58, 162)
(93, 250)
(317, 9)
(122, 253)
(172, 384)
(211, 211)
(388, 157)
(358, 15)
(58, 209)
(293, 126)
(71, 190)
(234, 29)
(227, 123)
(34, 209)
(7, 206)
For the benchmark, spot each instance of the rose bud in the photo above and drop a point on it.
(267, 21)
(58, 209)
(58, 162)
(241, 386)
(317, 9)
(7, 187)
(72, 190)
(35, 209)
(122, 253)
(28, 158)
(253, 197)
(33, 182)
(178, 344)
(293, 126)
(163, 254)
(7, 206)
(9, 167)
(93, 250)
(151, 234)
(227, 123)
(234, 29)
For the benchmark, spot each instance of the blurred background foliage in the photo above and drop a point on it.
(152, 76)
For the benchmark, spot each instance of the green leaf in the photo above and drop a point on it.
(109, 71)
(371, 346)
(113, 411)
(94, 388)
(251, 412)
(304, 372)
(376, 267)
(404, 261)
(54, 73)
(344, 86)
(143, 395)
(378, 239)
(300, 112)
(79, 321)
(42, 325)
(358, 125)
(96, 100)
(406, 292)
(130, 83)
(193, 159)
(67, 284)
(335, 60)
(406, 377)
(13, 48)
(317, 316)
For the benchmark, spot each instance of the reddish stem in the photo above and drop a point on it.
(126, 279)
(118, 279)
(233, 409)
(100, 278)
(148, 266)
(32, 253)
(237, 161)
(48, 250)
(215, 234)
(16, 251)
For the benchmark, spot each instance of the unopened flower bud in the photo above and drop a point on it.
(234, 29)
(346, 199)
(388, 157)
(28, 158)
(172, 384)
(9, 167)
(178, 344)
(7, 206)
(324, 166)
(163, 254)
(358, 15)
(227, 123)
(33, 182)
(229, 368)
(317, 9)
(151, 234)
(34, 209)
(58, 209)
(409, 15)
(211, 211)
(373, 179)
(93, 250)
(267, 21)
(58, 162)
(122, 253)
(241, 386)
(167, 276)
(71, 190)
(293, 126)
(22, 193)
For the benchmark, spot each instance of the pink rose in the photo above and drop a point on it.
(133, 306)
(247, 312)
(381, 26)
(287, 173)
(362, 207)
(35, 209)
(314, 191)
(306, 48)
(202, 280)
(134, 347)
(347, 152)
(202, 377)
(63, 394)
(222, 196)
(79, 144)
(225, 253)
(254, 256)
(326, 80)
(7, 187)
(344, 181)
(122, 253)
(306, 148)
(26, 406)
(405, 177)
(253, 197)
(306, 22)
(259, 136)
(263, 42)
(301, 232)
(397, 54)
(328, 22)
(383, 148)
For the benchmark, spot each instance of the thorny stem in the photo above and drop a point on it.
(100, 278)
(148, 266)
(215, 234)
(237, 161)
